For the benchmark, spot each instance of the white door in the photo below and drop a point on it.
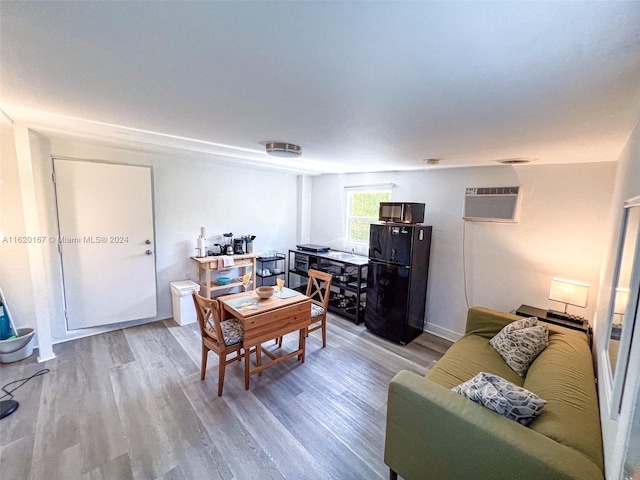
(105, 218)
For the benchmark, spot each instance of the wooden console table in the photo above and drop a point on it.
(541, 314)
(207, 265)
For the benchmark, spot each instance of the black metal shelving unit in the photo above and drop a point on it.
(347, 298)
(270, 263)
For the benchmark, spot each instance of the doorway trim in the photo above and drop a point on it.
(92, 330)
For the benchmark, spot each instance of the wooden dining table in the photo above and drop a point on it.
(267, 319)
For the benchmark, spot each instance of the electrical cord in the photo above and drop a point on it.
(464, 261)
(9, 393)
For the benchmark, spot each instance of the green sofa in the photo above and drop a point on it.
(434, 433)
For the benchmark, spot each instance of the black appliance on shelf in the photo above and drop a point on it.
(397, 280)
(238, 246)
(310, 247)
(301, 262)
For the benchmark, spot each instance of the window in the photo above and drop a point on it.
(362, 211)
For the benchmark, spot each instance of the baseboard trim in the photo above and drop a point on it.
(442, 332)
(42, 360)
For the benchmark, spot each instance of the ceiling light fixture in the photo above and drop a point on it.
(286, 150)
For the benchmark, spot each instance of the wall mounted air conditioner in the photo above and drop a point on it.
(492, 204)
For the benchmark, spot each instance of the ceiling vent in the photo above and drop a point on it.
(287, 150)
(513, 161)
(492, 204)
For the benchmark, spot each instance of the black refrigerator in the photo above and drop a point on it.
(397, 280)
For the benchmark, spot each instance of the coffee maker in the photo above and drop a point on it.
(238, 246)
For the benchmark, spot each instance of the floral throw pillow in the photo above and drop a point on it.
(503, 397)
(520, 342)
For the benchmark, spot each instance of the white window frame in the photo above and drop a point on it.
(350, 217)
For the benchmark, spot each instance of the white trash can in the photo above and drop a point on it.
(184, 311)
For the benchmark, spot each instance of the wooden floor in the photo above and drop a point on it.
(130, 404)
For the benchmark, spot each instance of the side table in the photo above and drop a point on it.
(528, 311)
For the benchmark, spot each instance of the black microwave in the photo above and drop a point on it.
(401, 212)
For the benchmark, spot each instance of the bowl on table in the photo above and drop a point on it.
(264, 292)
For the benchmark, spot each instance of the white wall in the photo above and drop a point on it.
(560, 233)
(189, 192)
(621, 437)
(15, 277)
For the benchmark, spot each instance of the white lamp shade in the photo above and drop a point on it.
(569, 291)
(622, 299)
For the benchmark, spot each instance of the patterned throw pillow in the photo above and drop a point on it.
(522, 323)
(503, 397)
(520, 342)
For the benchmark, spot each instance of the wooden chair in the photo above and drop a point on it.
(222, 338)
(318, 289)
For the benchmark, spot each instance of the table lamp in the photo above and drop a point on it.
(568, 292)
(619, 307)
(621, 301)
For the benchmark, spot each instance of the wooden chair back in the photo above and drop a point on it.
(208, 312)
(318, 287)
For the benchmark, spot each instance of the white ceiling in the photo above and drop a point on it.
(361, 86)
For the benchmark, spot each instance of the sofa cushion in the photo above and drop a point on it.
(486, 322)
(520, 342)
(466, 358)
(435, 433)
(563, 375)
(503, 397)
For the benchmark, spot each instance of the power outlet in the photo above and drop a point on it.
(187, 275)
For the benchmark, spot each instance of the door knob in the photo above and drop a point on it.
(149, 252)
(147, 242)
